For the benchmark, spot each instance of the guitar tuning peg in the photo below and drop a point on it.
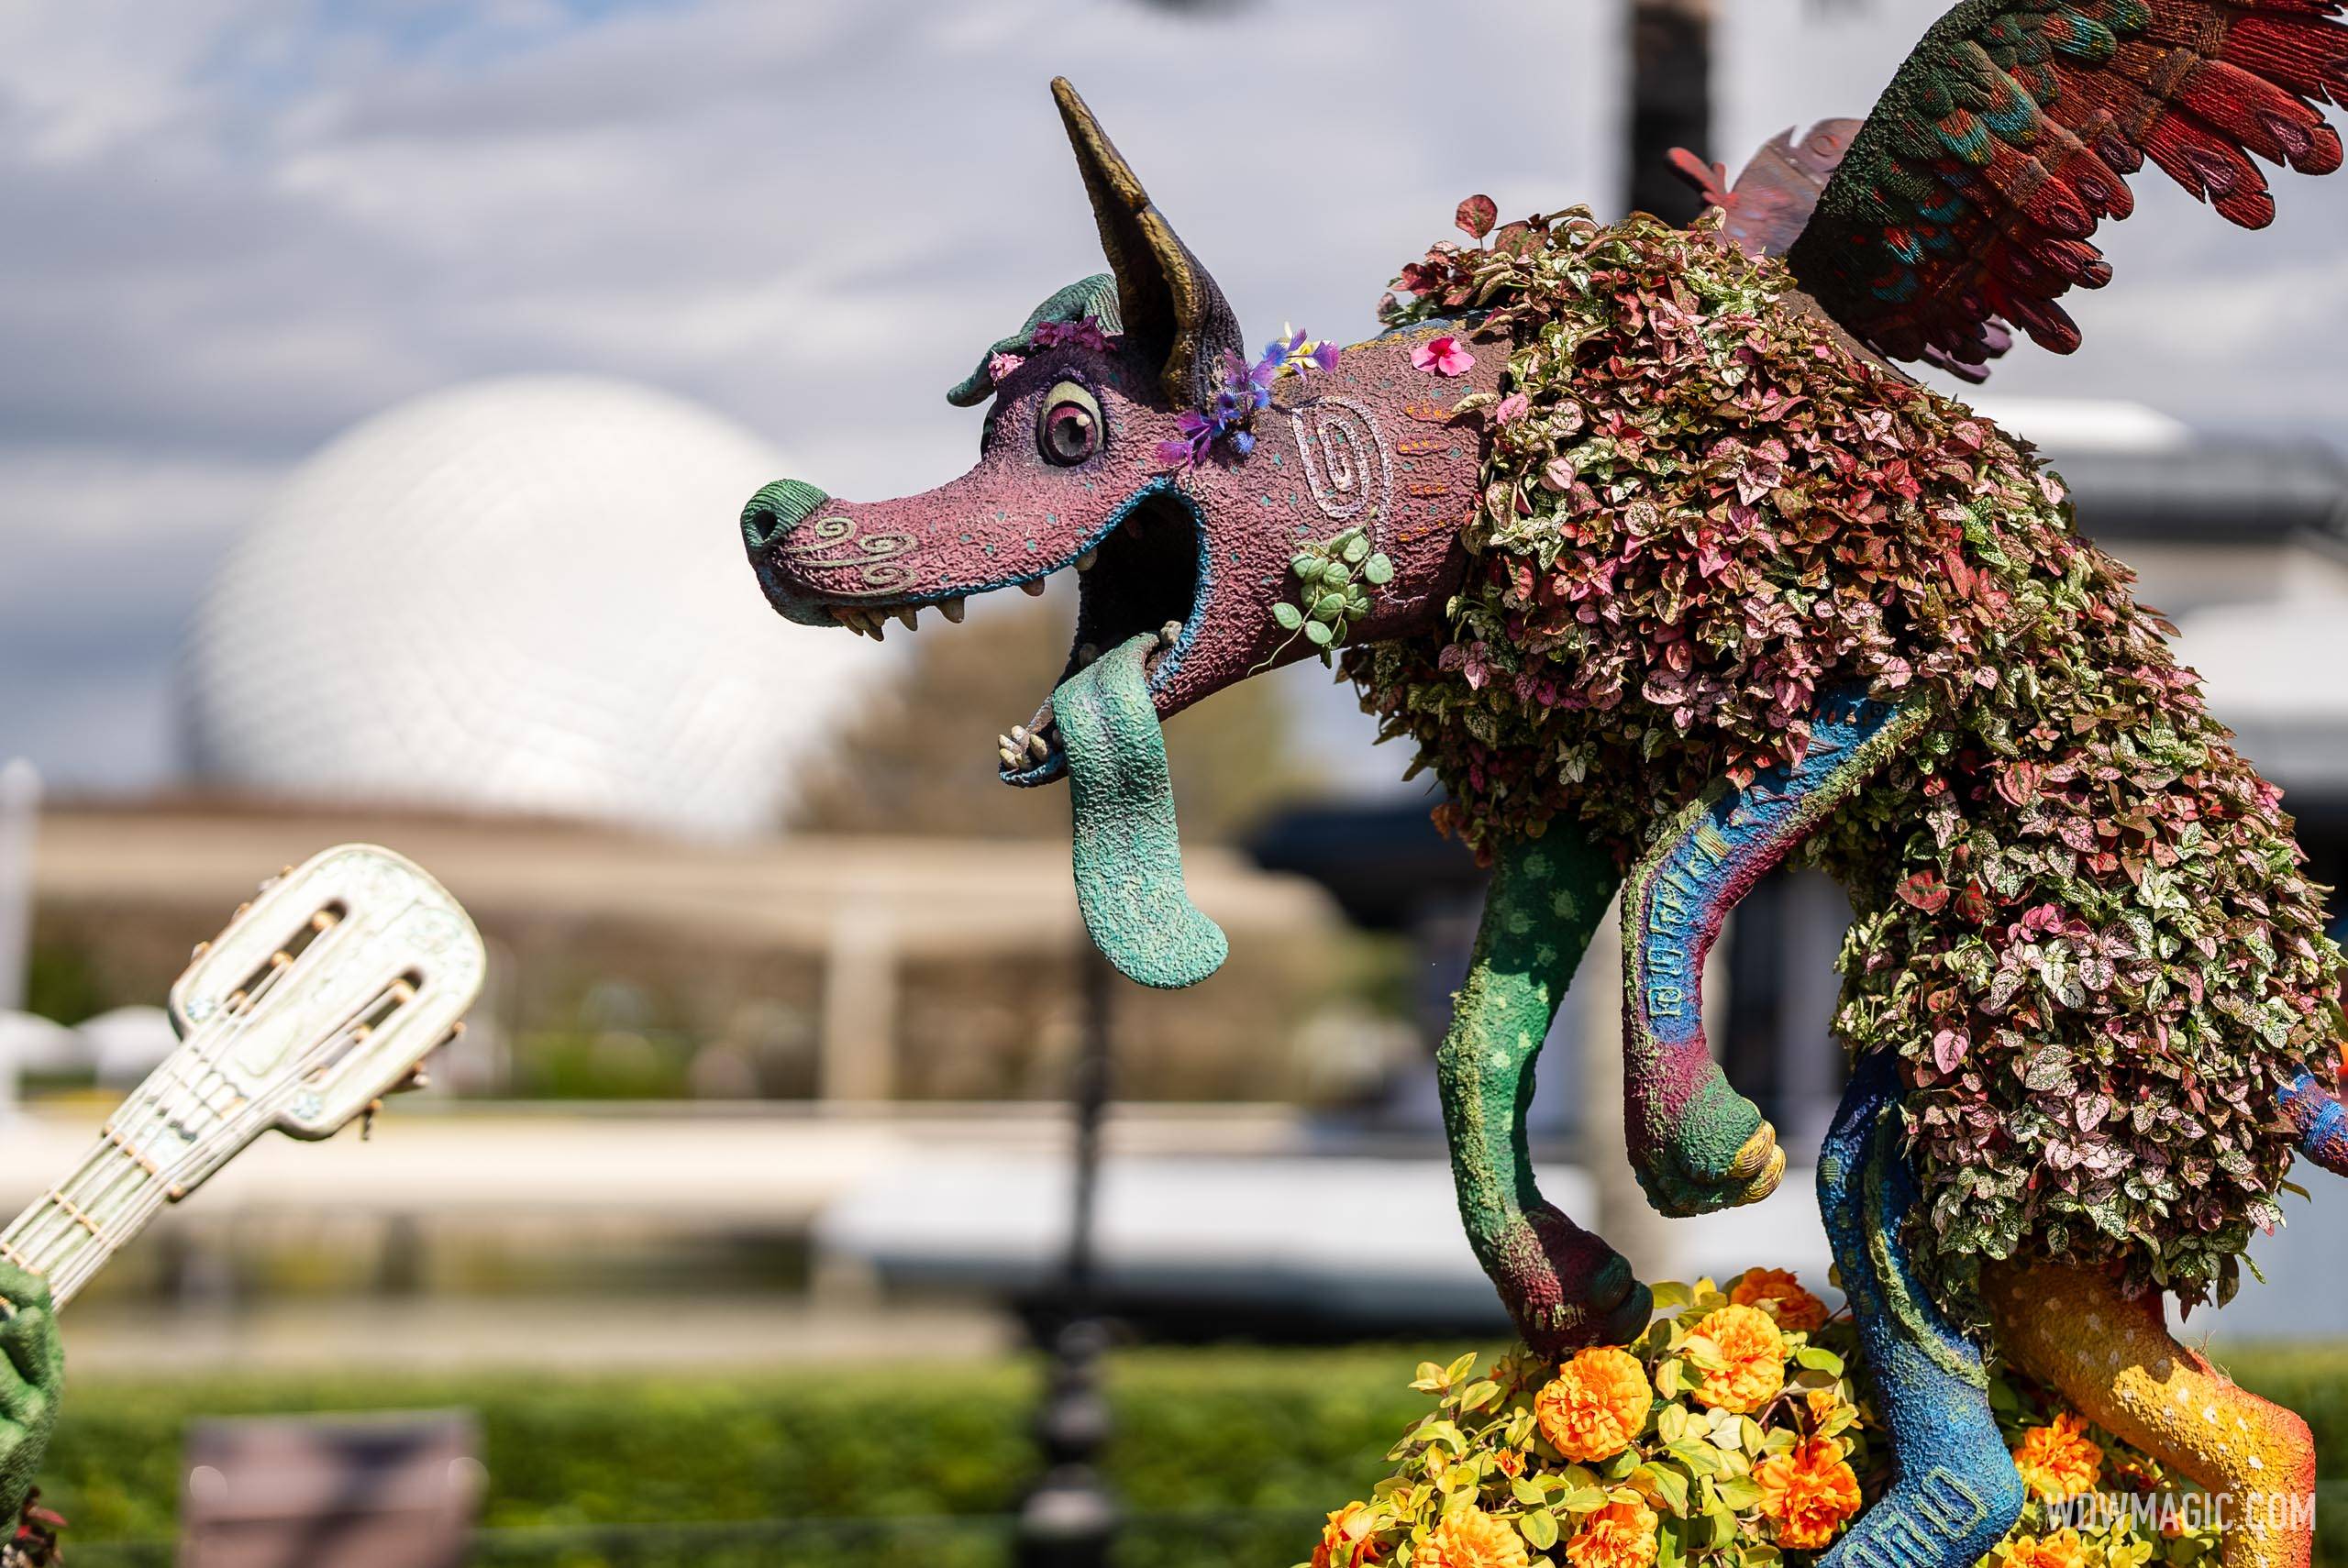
(418, 1079)
(367, 1120)
(200, 949)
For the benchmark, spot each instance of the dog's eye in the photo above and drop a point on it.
(1068, 430)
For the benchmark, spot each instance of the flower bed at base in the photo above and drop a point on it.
(1740, 1431)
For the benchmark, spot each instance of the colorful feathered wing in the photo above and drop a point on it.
(1969, 198)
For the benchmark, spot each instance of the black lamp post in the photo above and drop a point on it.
(1069, 1519)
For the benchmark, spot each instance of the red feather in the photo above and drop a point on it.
(2035, 156)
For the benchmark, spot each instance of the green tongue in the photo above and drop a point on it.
(1128, 851)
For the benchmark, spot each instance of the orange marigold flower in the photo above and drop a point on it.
(1619, 1535)
(1777, 1292)
(1596, 1405)
(1821, 1403)
(1470, 1538)
(1347, 1538)
(2057, 1461)
(1807, 1491)
(1755, 1353)
(2064, 1548)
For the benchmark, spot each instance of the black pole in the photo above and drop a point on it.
(1671, 104)
(1070, 1519)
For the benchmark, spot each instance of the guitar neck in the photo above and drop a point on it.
(177, 1128)
(320, 998)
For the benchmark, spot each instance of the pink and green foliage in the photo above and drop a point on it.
(2081, 916)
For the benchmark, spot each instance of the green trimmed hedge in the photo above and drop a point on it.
(1223, 1457)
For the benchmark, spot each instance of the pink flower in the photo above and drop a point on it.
(1085, 334)
(1443, 356)
(1514, 407)
(999, 366)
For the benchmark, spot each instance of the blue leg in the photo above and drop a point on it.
(1956, 1494)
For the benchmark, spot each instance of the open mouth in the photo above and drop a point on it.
(1142, 575)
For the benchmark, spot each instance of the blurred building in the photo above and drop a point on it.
(516, 596)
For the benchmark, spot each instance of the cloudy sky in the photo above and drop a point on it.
(228, 228)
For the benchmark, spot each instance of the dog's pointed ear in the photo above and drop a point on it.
(1171, 307)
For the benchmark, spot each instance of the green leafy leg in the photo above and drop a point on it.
(1565, 1286)
(32, 1381)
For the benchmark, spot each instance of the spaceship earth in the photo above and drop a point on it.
(523, 595)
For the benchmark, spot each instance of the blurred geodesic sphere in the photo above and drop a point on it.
(517, 596)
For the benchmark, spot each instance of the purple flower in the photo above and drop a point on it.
(1000, 366)
(1243, 391)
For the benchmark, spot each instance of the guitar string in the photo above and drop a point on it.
(72, 1268)
(48, 1230)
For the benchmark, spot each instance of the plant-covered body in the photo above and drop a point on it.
(2081, 918)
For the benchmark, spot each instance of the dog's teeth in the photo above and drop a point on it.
(1170, 632)
(1085, 561)
(844, 615)
(1033, 590)
(1040, 748)
(952, 610)
(912, 619)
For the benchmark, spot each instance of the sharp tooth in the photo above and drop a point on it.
(844, 615)
(1170, 632)
(952, 610)
(911, 618)
(1033, 590)
(879, 629)
(1040, 748)
(1084, 562)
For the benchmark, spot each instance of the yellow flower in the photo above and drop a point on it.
(1619, 1535)
(1807, 1491)
(1470, 1538)
(1595, 1406)
(2057, 1461)
(1749, 1343)
(1345, 1541)
(1778, 1293)
(2064, 1548)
